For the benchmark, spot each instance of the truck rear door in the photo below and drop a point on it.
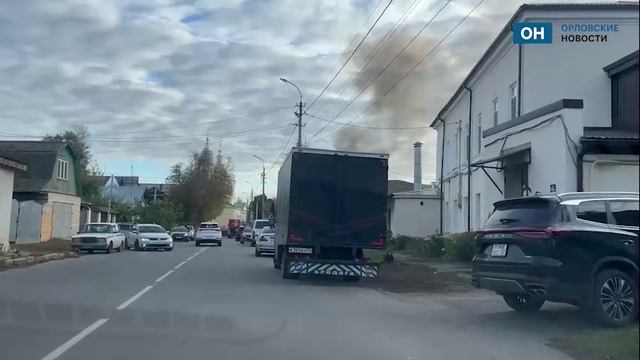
(338, 200)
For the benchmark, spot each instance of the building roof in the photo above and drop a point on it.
(610, 134)
(10, 162)
(506, 31)
(40, 158)
(417, 194)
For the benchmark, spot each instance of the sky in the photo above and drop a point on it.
(152, 79)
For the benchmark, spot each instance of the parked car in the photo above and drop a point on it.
(191, 233)
(152, 237)
(180, 233)
(98, 236)
(129, 236)
(247, 234)
(224, 230)
(265, 241)
(257, 226)
(208, 232)
(239, 231)
(576, 248)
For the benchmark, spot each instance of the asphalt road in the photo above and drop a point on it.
(223, 303)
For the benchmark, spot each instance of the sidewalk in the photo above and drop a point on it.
(28, 254)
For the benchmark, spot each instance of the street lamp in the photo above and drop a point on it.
(299, 113)
(263, 175)
(249, 203)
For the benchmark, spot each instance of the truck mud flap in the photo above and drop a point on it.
(333, 269)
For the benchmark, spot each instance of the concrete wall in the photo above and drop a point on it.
(410, 218)
(6, 193)
(574, 70)
(611, 173)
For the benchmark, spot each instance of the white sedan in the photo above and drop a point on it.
(98, 236)
(265, 241)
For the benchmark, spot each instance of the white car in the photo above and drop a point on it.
(208, 232)
(265, 241)
(257, 227)
(151, 236)
(98, 236)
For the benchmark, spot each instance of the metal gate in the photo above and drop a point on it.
(62, 214)
(26, 221)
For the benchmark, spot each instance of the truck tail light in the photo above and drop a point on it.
(295, 238)
(379, 241)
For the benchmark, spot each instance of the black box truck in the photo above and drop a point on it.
(331, 205)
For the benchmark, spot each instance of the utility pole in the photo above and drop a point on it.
(110, 196)
(263, 176)
(298, 113)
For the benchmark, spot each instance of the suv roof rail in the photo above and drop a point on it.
(597, 195)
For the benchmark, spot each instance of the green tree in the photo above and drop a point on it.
(203, 187)
(164, 213)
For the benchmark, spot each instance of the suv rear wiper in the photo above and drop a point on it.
(507, 220)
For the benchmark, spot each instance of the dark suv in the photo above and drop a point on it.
(576, 248)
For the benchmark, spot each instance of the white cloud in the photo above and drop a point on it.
(160, 75)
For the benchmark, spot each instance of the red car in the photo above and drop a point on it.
(233, 225)
(246, 235)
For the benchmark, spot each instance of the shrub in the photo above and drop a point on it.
(402, 242)
(460, 246)
(433, 247)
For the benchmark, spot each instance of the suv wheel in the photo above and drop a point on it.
(524, 302)
(615, 298)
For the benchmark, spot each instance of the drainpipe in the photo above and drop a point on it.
(519, 79)
(579, 170)
(469, 159)
(442, 177)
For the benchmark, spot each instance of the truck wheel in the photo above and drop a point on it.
(284, 267)
(276, 258)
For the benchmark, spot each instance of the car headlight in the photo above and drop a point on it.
(144, 239)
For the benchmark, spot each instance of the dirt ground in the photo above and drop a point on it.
(54, 245)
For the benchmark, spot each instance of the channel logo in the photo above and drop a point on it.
(532, 33)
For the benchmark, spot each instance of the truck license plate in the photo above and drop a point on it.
(499, 250)
(300, 250)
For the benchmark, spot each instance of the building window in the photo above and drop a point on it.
(513, 100)
(62, 169)
(495, 111)
(624, 100)
(479, 136)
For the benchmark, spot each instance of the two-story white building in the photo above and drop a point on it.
(543, 118)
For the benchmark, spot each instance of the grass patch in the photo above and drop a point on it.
(618, 344)
(46, 247)
(405, 277)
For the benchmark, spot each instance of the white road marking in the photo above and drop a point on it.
(74, 340)
(164, 276)
(179, 265)
(134, 298)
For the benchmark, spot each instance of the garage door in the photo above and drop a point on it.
(62, 214)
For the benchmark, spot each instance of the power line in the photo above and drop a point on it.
(350, 56)
(370, 127)
(282, 152)
(384, 69)
(415, 66)
(372, 54)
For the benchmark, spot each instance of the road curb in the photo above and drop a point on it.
(30, 260)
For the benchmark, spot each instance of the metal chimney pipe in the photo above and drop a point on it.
(417, 166)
